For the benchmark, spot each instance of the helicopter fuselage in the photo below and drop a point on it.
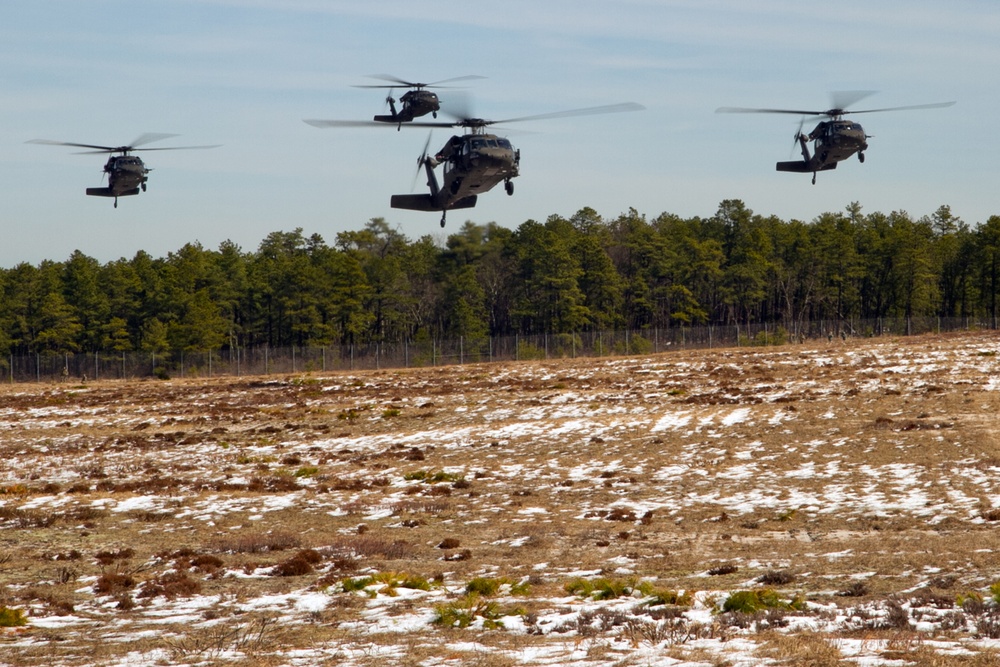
(126, 173)
(416, 103)
(473, 164)
(833, 141)
(126, 176)
(837, 140)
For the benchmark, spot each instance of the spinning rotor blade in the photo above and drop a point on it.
(935, 105)
(178, 148)
(141, 140)
(421, 161)
(481, 122)
(49, 142)
(841, 100)
(795, 140)
(401, 83)
(798, 112)
(148, 138)
(588, 111)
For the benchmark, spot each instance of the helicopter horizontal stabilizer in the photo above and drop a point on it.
(802, 167)
(108, 192)
(386, 119)
(426, 203)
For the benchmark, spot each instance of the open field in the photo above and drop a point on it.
(591, 512)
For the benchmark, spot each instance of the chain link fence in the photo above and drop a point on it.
(262, 360)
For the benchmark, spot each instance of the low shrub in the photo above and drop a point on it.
(749, 602)
(466, 610)
(607, 589)
(12, 618)
(488, 586)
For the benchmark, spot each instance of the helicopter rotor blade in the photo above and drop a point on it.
(178, 148)
(468, 77)
(421, 161)
(844, 99)
(935, 105)
(841, 100)
(588, 111)
(148, 138)
(465, 121)
(396, 82)
(795, 139)
(798, 112)
(49, 142)
(141, 140)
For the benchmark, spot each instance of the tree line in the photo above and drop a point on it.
(566, 275)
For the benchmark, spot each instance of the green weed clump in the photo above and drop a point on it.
(607, 589)
(463, 612)
(489, 586)
(12, 618)
(432, 476)
(390, 581)
(355, 584)
(675, 598)
(750, 602)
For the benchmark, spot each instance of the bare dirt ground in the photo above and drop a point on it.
(807, 504)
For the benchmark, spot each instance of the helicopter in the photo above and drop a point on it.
(416, 102)
(836, 139)
(127, 174)
(474, 162)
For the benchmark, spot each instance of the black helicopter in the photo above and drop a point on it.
(834, 140)
(473, 163)
(418, 101)
(127, 174)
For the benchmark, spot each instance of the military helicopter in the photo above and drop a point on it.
(834, 140)
(416, 102)
(473, 163)
(126, 173)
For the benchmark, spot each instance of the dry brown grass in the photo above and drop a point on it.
(873, 468)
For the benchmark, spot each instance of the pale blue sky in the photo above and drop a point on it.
(245, 73)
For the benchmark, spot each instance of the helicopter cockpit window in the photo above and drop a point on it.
(504, 143)
(492, 143)
(478, 144)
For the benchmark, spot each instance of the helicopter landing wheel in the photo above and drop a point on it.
(443, 215)
(143, 187)
(435, 114)
(861, 157)
(116, 202)
(509, 187)
(814, 178)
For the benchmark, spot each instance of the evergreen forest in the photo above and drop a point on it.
(564, 275)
